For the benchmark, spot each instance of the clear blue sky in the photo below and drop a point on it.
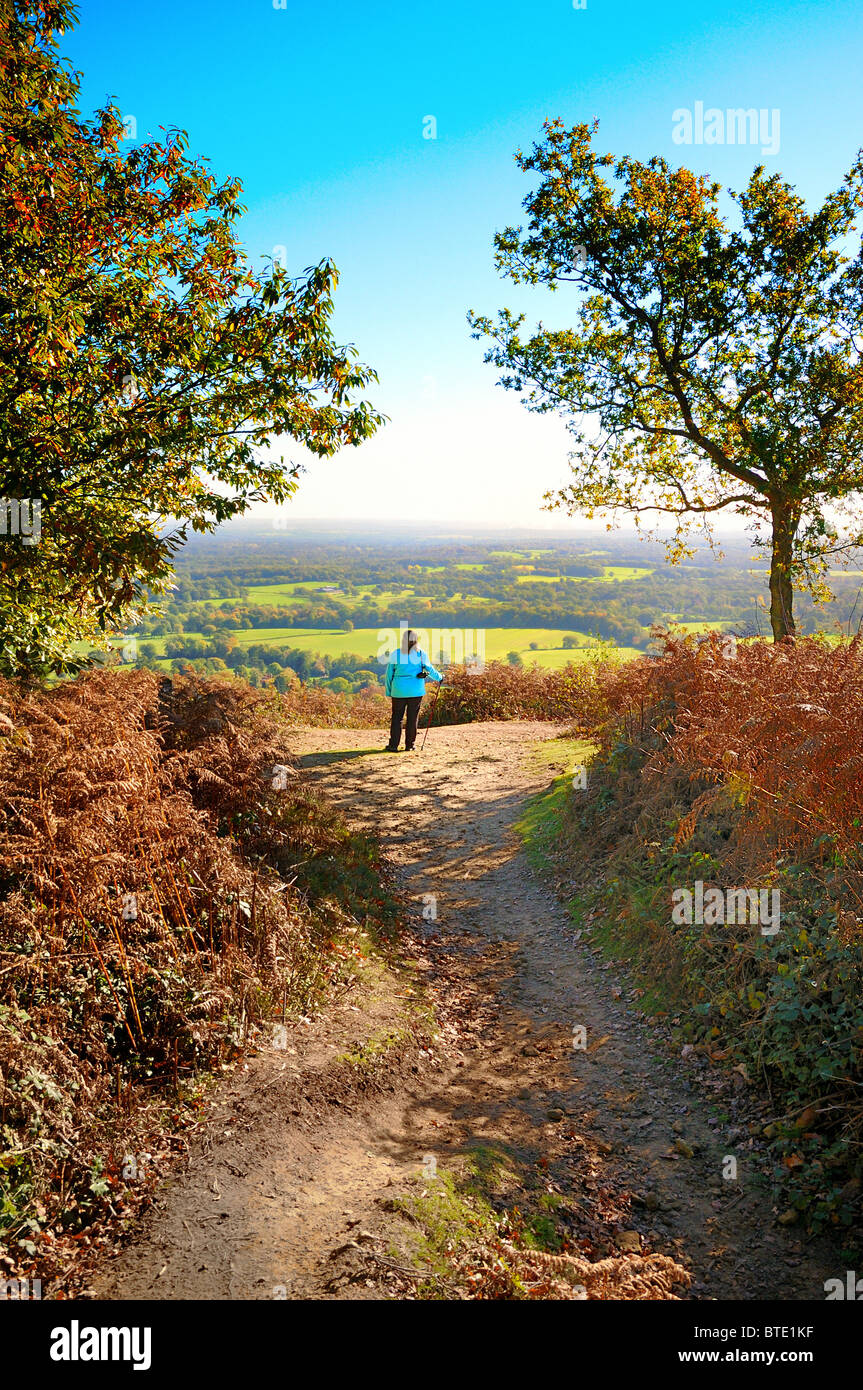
(319, 109)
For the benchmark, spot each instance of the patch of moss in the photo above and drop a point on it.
(490, 1196)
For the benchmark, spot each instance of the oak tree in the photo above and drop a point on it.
(147, 372)
(714, 361)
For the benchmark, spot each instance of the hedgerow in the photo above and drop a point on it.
(167, 885)
(738, 765)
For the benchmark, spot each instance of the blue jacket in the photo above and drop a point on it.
(403, 678)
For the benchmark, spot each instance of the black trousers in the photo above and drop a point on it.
(412, 705)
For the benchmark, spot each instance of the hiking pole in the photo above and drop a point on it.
(431, 715)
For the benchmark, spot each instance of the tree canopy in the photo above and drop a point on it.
(146, 368)
(713, 364)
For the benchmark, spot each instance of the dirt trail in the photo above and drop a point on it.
(292, 1194)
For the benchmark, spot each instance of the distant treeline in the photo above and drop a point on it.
(212, 592)
(258, 662)
(607, 621)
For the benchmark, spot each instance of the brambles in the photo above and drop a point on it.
(502, 691)
(777, 728)
(330, 709)
(161, 896)
(738, 766)
(499, 691)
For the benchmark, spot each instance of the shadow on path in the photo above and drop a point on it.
(309, 760)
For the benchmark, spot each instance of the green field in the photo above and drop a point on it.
(499, 641)
(627, 571)
(611, 572)
(517, 554)
(462, 565)
(302, 591)
(285, 594)
(702, 627)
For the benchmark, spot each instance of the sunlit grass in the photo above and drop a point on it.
(364, 642)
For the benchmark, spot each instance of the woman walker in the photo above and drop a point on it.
(408, 670)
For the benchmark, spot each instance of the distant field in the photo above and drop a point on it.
(301, 591)
(553, 659)
(611, 572)
(518, 554)
(363, 642)
(267, 593)
(462, 565)
(294, 593)
(542, 578)
(628, 571)
(717, 626)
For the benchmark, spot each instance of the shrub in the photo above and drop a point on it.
(739, 766)
(329, 709)
(502, 691)
(166, 884)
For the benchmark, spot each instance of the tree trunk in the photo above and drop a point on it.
(785, 525)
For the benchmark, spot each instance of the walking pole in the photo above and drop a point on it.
(431, 715)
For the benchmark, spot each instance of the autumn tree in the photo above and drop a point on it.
(714, 363)
(146, 372)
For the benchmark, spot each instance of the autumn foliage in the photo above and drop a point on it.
(498, 691)
(501, 691)
(778, 726)
(166, 886)
(330, 709)
(739, 765)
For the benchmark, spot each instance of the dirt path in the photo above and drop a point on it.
(310, 1146)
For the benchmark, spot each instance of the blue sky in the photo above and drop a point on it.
(320, 108)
